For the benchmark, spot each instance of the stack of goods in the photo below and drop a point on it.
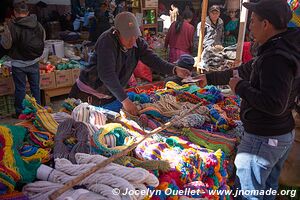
(216, 58)
(19, 158)
(72, 64)
(195, 153)
(6, 105)
(191, 166)
(69, 104)
(63, 63)
(41, 117)
(98, 186)
(46, 68)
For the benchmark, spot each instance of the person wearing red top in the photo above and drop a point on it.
(180, 36)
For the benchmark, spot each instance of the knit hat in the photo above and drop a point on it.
(277, 12)
(186, 61)
(127, 25)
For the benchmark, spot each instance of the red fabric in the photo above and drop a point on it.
(143, 71)
(132, 81)
(174, 54)
(182, 40)
(246, 52)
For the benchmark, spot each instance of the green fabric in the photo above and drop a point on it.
(25, 169)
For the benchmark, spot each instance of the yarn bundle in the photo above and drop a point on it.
(41, 117)
(72, 137)
(14, 169)
(98, 186)
(111, 139)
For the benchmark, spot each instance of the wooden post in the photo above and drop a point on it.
(242, 30)
(201, 34)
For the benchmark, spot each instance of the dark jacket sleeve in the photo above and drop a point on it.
(106, 68)
(223, 77)
(148, 57)
(276, 79)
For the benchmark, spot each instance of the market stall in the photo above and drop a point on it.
(184, 139)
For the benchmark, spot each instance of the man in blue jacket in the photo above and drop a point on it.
(117, 52)
(268, 86)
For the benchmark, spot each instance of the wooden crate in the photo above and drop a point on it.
(63, 78)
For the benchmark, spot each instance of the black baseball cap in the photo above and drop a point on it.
(277, 12)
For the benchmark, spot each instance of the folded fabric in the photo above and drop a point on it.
(210, 140)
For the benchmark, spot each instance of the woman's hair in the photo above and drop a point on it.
(187, 14)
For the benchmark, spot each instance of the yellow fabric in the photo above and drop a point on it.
(47, 121)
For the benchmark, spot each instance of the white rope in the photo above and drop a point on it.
(136, 175)
(100, 183)
(40, 190)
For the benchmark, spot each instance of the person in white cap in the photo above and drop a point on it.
(117, 52)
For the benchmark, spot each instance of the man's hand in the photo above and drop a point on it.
(182, 72)
(202, 80)
(233, 82)
(130, 107)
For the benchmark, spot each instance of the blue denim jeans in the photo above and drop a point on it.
(258, 163)
(19, 76)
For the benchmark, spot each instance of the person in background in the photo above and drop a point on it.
(174, 12)
(24, 37)
(100, 23)
(185, 61)
(214, 29)
(117, 52)
(231, 28)
(180, 36)
(268, 86)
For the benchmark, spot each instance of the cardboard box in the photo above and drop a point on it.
(7, 86)
(75, 74)
(63, 78)
(47, 80)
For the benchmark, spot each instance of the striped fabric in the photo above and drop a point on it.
(89, 114)
(47, 121)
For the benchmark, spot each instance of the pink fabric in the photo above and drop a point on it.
(174, 54)
(87, 89)
(182, 40)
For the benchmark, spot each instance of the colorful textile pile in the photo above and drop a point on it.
(69, 104)
(38, 138)
(190, 164)
(14, 168)
(295, 7)
(41, 117)
(14, 196)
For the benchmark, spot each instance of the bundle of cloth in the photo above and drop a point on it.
(40, 116)
(18, 161)
(214, 58)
